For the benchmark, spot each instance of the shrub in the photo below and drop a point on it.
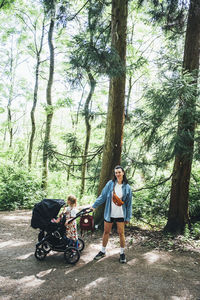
(196, 230)
(194, 198)
(151, 205)
(19, 188)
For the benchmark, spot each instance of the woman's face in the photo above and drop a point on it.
(119, 175)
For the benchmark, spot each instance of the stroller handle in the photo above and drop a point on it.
(82, 212)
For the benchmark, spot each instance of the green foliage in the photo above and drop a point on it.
(194, 195)
(5, 4)
(91, 49)
(49, 5)
(196, 230)
(150, 136)
(60, 187)
(151, 205)
(170, 14)
(18, 188)
(66, 102)
(157, 119)
(102, 61)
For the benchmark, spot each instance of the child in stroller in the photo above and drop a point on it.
(52, 236)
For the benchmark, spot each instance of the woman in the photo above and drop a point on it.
(115, 212)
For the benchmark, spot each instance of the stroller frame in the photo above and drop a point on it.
(53, 238)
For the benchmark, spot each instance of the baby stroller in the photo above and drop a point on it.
(52, 236)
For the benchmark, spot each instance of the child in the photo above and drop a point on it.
(70, 212)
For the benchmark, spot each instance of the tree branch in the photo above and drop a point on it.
(72, 18)
(150, 187)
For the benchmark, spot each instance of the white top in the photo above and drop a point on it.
(72, 210)
(117, 211)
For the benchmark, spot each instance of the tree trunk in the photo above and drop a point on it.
(10, 97)
(33, 125)
(115, 115)
(10, 127)
(49, 109)
(178, 215)
(88, 130)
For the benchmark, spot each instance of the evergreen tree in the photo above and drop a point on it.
(94, 55)
(178, 211)
(115, 115)
(172, 14)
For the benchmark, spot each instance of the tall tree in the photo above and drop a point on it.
(33, 25)
(115, 114)
(12, 72)
(37, 51)
(172, 15)
(93, 57)
(178, 215)
(12, 53)
(49, 107)
(88, 129)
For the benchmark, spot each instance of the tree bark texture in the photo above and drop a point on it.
(178, 215)
(88, 130)
(49, 111)
(115, 115)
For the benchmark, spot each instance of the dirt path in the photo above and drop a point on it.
(149, 274)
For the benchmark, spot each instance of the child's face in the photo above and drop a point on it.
(69, 203)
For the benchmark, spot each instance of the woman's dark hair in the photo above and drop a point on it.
(125, 180)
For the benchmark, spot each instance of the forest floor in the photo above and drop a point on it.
(157, 267)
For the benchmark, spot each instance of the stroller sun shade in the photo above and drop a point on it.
(44, 211)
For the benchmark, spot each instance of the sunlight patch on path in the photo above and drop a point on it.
(90, 252)
(94, 283)
(25, 256)
(15, 218)
(44, 273)
(132, 262)
(30, 282)
(153, 257)
(22, 283)
(13, 243)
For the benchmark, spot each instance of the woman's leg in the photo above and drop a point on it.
(120, 230)
(106, 233)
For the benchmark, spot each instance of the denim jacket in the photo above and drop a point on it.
(106, 196)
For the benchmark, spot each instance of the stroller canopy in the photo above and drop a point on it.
(44, 211)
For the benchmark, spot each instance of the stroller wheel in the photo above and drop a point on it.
(71, 255)
(46, 247)
(81, 244)
(40, 253)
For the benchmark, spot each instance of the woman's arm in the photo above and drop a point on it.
(103, 196)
